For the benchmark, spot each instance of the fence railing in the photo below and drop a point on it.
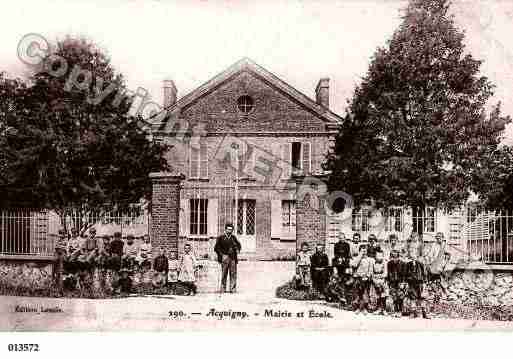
(34, 232)
(26, 232)
(489, 235)
(134, 221)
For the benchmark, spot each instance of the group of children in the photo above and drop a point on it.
(80, 258)
(397, 276)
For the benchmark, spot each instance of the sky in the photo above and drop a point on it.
(299, 41)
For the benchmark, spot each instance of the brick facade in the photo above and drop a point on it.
(210, 117)
(165, 212)
(310, 217)
(273, 110)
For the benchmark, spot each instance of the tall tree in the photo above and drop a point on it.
(494, 179)
(417, 129)
(72, 143)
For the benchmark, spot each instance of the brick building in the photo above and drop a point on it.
(239, 138)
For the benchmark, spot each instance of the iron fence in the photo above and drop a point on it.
(34, 232)
(489, 235)
(484, 235)
(134, 220)
(26, 232)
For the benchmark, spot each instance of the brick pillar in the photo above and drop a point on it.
(310, 216)
(165, 212)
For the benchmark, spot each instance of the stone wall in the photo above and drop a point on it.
(25, 276)
(34, 278)
(479, 288)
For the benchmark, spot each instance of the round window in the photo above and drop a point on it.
(245, 104)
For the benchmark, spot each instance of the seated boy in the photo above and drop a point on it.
(373, 246)
(161, 269)
(75, 241)
(124, 283)
(335, 290)
(129, 252)
(144, 254)
(103, 257)
(91, 242)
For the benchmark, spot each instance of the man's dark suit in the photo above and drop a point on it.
(227, 248)
(319, 267)
(342, 253)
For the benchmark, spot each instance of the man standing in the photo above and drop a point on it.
(227, 248)
(161, 269)
(91, 242)
(342, 255)
(355, 244)
(319, 265)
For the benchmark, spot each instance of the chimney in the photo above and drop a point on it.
(169, 93)
(322, 92)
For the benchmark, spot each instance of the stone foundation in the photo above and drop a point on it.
(25, 276)
(478, 288)
(34, 278)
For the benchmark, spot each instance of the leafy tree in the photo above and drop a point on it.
(72, 142)
(495, 179)
(417, 132)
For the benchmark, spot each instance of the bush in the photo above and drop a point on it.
(284, 258)
(289, 291)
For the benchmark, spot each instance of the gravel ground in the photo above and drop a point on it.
(245, 310)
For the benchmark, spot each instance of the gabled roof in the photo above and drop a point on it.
(248, 65)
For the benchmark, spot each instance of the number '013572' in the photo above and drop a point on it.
(23, 347)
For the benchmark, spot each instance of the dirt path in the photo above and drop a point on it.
(250, 309)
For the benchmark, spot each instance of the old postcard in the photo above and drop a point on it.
(229, 165)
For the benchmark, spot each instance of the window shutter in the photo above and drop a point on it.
(287, 158)
(184, 217)
(306, 158)
(212, 217)
(276, 218)
(242, 161)
(203, 158)
(293, 215)
(194, 155)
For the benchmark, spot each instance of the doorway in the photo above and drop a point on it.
(246, 225)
